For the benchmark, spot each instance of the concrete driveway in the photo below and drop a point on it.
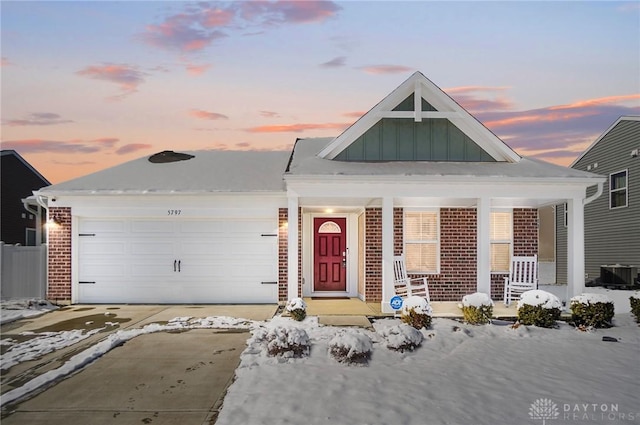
(160, 378)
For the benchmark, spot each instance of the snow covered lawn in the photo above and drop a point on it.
(461, 374)
(12, 310)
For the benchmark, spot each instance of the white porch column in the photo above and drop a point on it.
(484, 245)
(387, 254)
(575, 247)
(292, 248)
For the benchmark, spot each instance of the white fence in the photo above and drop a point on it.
(23, 271)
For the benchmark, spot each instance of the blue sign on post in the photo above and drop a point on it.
(396, 302)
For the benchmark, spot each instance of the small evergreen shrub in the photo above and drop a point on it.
(477, 308)
(416, 312)
(635, 307)
(351, 347)
(284, 342)
(297, 308)
(592, 310)
(402, 337)
(539, 308)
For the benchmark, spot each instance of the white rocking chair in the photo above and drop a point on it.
(523, 276)
(403, 285)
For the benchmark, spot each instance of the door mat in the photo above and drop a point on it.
(329, 298)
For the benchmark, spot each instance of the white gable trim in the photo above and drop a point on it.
(422, 87)
(607, 131)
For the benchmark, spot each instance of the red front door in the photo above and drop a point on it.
(329, 254)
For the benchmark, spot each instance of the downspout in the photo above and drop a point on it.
(595, 195)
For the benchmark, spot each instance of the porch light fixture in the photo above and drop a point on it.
(54, 220)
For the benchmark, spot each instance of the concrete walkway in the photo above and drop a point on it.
(160, 378)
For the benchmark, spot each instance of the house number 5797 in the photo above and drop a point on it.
(174, 212)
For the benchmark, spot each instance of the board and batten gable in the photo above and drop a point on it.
(612, 235)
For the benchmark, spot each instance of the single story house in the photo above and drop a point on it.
(416, 175)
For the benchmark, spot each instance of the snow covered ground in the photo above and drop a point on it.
(460, 374)
(12, 310)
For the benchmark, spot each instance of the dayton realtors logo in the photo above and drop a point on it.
(545, 409)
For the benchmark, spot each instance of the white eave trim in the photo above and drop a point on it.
(49, 194)
(441, 179)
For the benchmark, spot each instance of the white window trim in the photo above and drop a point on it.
(436, 241)
(626, 189)
(497, 241)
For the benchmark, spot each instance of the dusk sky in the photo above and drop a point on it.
(88, 85)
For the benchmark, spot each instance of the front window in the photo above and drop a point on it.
(421, 241)
(501, 240)
(618, 194)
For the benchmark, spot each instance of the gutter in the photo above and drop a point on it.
(595, 195)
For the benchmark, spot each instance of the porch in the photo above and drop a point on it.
(356, 307)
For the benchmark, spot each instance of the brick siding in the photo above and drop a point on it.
(525, 243)
(59, 257)
(283, 256)
(458, 251)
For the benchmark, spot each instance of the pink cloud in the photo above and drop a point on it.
(206, 115)
(38, 119)
(27, 146)
(183, 32)
(132, 147)
(354, 114)
(475, 98)
(5, 61)
(196, 70)
(128, 77)
(297, 128)
(269, 114)
(385, 69)
(275, 12)
(200, 25)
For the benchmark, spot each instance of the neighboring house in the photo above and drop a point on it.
(417, 175)
(19, 180)
(612, 221)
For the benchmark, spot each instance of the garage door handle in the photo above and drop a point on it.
(175, 262)
(179, 261)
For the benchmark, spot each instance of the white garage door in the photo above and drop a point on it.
(177, 261)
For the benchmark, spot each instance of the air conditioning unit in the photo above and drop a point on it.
(618, 275)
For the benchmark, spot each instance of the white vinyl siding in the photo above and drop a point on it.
(618, 193)
(501, 240)
(421, 241)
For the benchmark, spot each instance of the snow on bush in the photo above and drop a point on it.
(539, 308)
(351, 347)
(402, 337)
(298, 309)
(286, 342)
(635, 307)
(592, 310)
(416, 312)
(477, 308)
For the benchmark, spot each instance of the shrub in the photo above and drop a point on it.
(351, 347)
(297, 308)
(477, 308)
(285, 342)
(592, 310)
(402, 337)
(635, 307)
(416, 312)
(539, 308)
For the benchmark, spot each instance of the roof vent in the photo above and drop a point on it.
(169, 156)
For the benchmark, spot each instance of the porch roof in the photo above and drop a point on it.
(305, 163)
